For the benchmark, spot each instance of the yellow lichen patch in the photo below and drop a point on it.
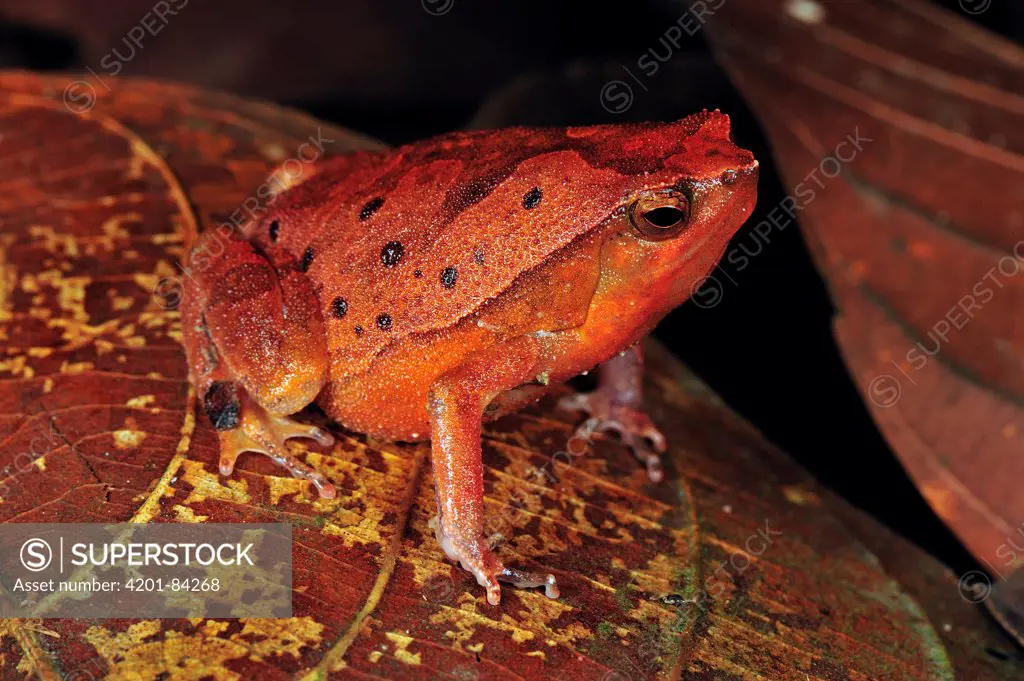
(427, 573)
(207, 485)
(70, 293)
(375, 656)
(147, 282)
(800, 496)
(121, 303)
(185, 514)
(110, 645)
(466, 621)
(29, 284)
(657, 574)
(210, 627)
(129, 436)
(266, 637)
(402, 653)
(152, 320)
(280, 487)
(641, 514)
(166, 269)
(130, 339)
(167, 238)
(76, 367)
(355, 528)
(130, 657)
(542, 610)
(54, 241)
(17, 367)
(40, 462)
(141, 401)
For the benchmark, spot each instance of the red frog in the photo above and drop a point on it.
(414, 292)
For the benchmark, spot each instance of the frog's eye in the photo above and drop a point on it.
(660, 214)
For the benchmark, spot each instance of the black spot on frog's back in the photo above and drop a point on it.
(371, 207)
(449, 275)
(473, 191)
(531, 199)
(339, 307)
(392, 253)
(307, 259)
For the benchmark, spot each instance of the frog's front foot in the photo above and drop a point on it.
(616, 406)
(265, 433)
(476, 557)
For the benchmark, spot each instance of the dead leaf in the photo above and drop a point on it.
(733, 568)
(897, 129)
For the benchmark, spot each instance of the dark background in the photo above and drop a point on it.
(394, 71)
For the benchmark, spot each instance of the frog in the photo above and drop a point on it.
(414, 293)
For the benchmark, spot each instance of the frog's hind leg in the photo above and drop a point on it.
(456, 404)
(617, 405)
(256, 348)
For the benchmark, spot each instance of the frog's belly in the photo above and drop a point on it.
(389, 399)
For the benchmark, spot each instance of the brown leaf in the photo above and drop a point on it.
(733, 568)
(920, 233)
(376, 53)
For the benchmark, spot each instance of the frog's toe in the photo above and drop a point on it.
(475, 556)
(528, 580)
(633, 426)
(266, 434)
(286, 429)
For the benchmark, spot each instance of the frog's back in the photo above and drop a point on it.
(415, 239)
